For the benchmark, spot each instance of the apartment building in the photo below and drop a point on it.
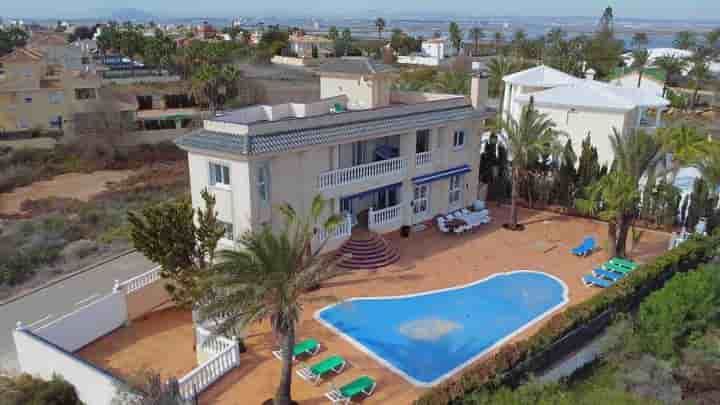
(383, 158)
(44, 88)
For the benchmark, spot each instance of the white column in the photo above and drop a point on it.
(658, 116)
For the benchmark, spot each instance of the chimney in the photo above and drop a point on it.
(590, 74)
(479, 89)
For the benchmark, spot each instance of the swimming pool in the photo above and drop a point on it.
(428, 337)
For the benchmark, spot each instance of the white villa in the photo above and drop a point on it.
(433, 52)
(383, 158)
(582, 107)
(304, 45)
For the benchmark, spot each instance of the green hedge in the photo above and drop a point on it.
(620, 297)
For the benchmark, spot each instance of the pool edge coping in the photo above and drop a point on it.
(465, 364)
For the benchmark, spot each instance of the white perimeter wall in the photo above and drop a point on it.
(79, 328)
(40, 358)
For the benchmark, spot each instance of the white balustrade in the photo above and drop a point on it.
(210, 371)
(210, 343)
(358, 173)
(139, 281)
(423, 158)
(343, 229)
(384, 216)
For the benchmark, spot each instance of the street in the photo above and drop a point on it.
(49, 303)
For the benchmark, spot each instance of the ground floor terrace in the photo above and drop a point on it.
(429, 260)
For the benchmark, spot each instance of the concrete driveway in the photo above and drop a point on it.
(49, 303)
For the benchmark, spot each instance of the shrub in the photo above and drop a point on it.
(17, 175)
(670, 317)
(516, 358)
(28, 390)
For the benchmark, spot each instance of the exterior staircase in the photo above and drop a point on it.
(366, 251)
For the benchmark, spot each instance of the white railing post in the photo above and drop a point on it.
(371, 217)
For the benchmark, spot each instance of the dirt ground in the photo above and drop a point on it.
(429, 261)
(82, 186)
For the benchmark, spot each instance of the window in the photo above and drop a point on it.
(263, 181)
(228, 227)
(85, 94)
(456, 189)
(28, 100)
(422, 141)
(56, 97)
(219, 174)
(459, 138)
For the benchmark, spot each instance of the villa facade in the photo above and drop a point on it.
(582, 107)
(382, 158)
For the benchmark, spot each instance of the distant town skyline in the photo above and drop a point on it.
(641, 9)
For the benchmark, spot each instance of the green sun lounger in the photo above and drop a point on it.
(343, 395)
(617, 268)
(315, 372)
(624, 263)
(309, 347)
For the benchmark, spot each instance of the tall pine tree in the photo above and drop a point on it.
(567, 175)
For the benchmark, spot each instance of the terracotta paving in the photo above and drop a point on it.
(161, 342)
(429, 261)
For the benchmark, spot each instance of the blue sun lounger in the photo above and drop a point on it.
(609, 275)
(585, 248)
(590, 280)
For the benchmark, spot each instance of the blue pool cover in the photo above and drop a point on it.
(428, 337)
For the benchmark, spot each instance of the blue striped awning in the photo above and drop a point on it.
(371, 191)
(441, 174)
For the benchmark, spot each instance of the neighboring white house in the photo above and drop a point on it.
(382, 158)
(433, 52)
(582, 107)
(655, 53)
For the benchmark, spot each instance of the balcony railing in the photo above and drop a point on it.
(359, 173)
(423, 158)
(384, 216)
(342, 230)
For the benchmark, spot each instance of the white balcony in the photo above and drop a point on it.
(384, 216)
(359, 173)
(423, 158)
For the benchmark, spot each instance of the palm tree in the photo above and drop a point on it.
(616, 196)
(709, 166)
(686, 143)
(672, 66)
(380, 26)
(498, 39)
(712, 40)
(455, 34)
(476, 34)
(555, 36)
(640, 59)
(266, 278)
(528, 139)
(685, 40)
(640, 40)
(500, 67)
(699, 73)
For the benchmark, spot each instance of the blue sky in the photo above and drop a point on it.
(655, 9)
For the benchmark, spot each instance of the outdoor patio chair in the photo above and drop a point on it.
(315, 372)
(465, 211)
(308, 347)
(589, 281)
(624, 263)
(585, 248)
(343, 395)
(617, 268)
(608, 275)
(442, 225)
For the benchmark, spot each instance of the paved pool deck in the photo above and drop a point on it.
(429, 260)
